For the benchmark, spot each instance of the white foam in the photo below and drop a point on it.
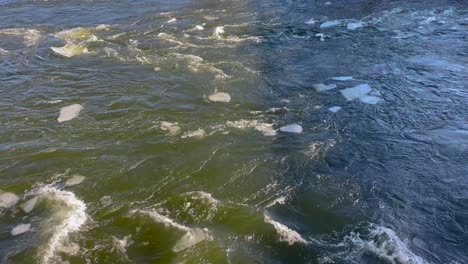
(369, 99)
(356, 92)
(20, 229)
(330, 24)
(218, 32)
(321, 36)
(220, 97)
(71, 218)
(70, 50)
(279, 200)
(334, 109)
(292, 128)
(354, 25)
(29, 205)
(310, 22)
(342, 78)
(172, 20)
(31, 36)
(191, 237)
(69, 248)
(55, 101)
(205, 196)
(173, 128)
(8, 199)
(75, 180)
(70, 112)
(265, 128)
(285, 233)
(198, 28)
(320, 87)
(385, 244)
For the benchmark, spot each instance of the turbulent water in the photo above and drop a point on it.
(266, 131)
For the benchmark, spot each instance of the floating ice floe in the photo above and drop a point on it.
(320, 87)
(195, 134)
(70, 112)
(334, 109)
(29, 205)
(292, 128)
(70, 50)
(265, 128)
(370, 99)
(310, 22)
(75, 180)
(173, 128)
(220, 97)
(332, 23)
(8, 199)
(20, 229)
(356, 92)
(354, 25)
(285, 233)
(343, 78)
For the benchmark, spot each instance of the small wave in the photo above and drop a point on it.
(71, 219)
(191, 237)
(383, 243)
(285, 233)
(31, 36)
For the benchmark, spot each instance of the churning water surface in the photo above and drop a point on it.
(267, 131)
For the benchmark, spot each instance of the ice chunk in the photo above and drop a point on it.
(173, 128)
(356, 92)
(8, 199)
(321, 36)
(292, 128)
(172, 20)
(70, 50)
(75, 180)
(370, 99)
(220, 97)
(354, 25)
(29, 205)
(310, 21)
(70, 112)
(320, 87)
(334, 109)
(156, 69)
(20, 229)
(196, 134)
(342, 78)
(332, 23)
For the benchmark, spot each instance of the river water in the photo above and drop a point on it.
(177, 147)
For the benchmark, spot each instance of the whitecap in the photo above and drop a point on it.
(70, 112)
(334, 109)
(8, 199)
(220, 97)
(218, 32)
(20, 229)
(384, 244)
(320, 87)
(197, 28)
(356, 92)
(191, 237)
(310, 21)
(292, 128)
(199, 133)
(70, 218)
(285, 233)
(70, 50)
(172, 20)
